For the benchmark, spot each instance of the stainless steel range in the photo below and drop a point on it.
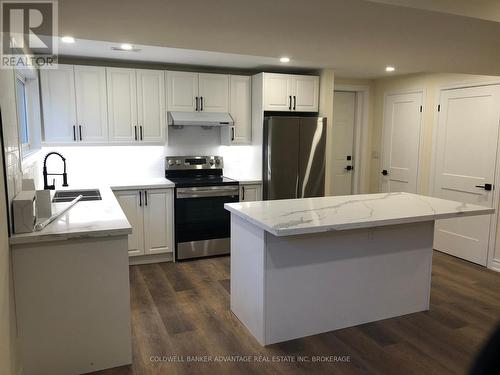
(202, 225)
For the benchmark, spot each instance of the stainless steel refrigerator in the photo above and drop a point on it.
(293, 157)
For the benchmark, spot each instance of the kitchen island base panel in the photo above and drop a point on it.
(73, 305)
(284, 288)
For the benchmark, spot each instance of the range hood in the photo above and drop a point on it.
(199, 119)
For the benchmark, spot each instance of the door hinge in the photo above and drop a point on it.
(420, 108)
(439, 107)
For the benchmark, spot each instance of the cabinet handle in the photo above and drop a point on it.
(290, 105)
(294, 102)
(145, 197)
(232, 133)
(196, 99)
(242, 193)
(140, 198)
(201, 103)
(140, 128)
(135, 132)
(80, 128)
(74, 133)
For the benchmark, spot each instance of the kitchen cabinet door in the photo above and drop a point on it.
(305, 93)
(122, 105)
(213, 92)
(277, 92)
(151, 105)
(131, 204)
(158, 221)
(250, 192)
(91, 104)
(58, 101)
(240, 108)
(182, 90)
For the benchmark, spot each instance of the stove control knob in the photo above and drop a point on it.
(217, 161)
(211, 162)
(178, 162)
(170, 162)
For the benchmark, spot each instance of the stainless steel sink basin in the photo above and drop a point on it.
(69, 195)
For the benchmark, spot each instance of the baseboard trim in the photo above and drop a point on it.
(149, 259)
(494, 265)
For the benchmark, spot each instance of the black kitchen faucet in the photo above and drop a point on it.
(46, 186)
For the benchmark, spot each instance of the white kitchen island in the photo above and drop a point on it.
(305, 266)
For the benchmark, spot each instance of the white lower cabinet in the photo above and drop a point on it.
(250, 192)
(151, 215)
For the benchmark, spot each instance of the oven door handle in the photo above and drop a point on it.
(215, 191)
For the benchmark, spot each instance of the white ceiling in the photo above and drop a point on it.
(167, 55)
(357, 38)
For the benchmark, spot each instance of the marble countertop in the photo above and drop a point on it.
(314, 215)
(100, 218)
(141, 183)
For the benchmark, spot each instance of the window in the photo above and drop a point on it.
(22, 113)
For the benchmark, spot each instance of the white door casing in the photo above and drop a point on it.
(344, 118)
(466, 147)
(401, 142)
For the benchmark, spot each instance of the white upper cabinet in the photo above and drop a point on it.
(151, 105)
(182, 91)
(91, 104)
(240, 108)
(213, 92)
(197, 92)
(122, 105)
(287, 92)
(59, 107)
(277, 92)
(305, 93)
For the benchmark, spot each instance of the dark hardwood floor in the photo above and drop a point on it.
(182, 310)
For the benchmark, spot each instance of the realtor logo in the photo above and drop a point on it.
(29, 33)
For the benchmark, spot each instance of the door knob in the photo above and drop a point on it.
(485, 187)
(349, 168)
(384, 172)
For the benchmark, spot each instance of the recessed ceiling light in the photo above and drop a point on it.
(284, 59)
(390, 68)
(127, 46)
(68, 39)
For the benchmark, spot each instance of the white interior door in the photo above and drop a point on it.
(91, 103)
(344, 118)
(466, 153)
(401, 142)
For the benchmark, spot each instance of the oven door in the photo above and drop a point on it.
(202, 225)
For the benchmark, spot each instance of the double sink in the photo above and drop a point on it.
(69, 195)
